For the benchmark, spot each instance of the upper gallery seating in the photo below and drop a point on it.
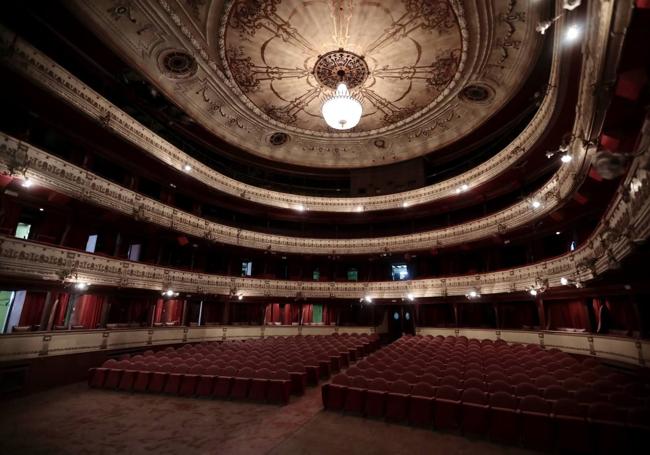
(266, 369)
(545, 399)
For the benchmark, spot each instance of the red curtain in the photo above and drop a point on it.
(172, 311)
(32, 308)
(307, 313)
(88, 310)
(518, 315)
(158, 311)
(212, 312)
(567, 314)
(615, 313)
(61, 309)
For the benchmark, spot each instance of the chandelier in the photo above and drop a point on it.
(342, 110)
(341, 71)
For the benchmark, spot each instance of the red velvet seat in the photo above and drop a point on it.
(157, 381)
(333, 394)
(421, 404)
(173, 383)
(446, 415)
(126, 380)
(474, 403)
(555, 392)
(259, 385)
(355, 395)
(376, 398)
(223, 382)
(571, 429)
(96, 377)
(113, 377)
(205, 383)
(397, 400)
(504, 418)
(499, 386)
(298, 377)
(607, 424)
(279, 388)
(189, 381)
(525, 389)
(474, 383)
(451, 381)
(638, 428)
(536, 425)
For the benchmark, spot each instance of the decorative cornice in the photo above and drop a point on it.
(629, 214)
(34, 65)
(54, 173)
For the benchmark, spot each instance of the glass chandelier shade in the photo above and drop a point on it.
(342, 110)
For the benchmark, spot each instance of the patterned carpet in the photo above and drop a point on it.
(78, 420)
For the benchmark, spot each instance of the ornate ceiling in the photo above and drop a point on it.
(428, 72)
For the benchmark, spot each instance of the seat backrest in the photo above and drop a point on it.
(400, 386)
(544, 381)
(452, 381)
(526, 388)
(359, 382)
(410, 378)
(568, 407)
(423, 389)
(606, 411)
(474, 383)
(555, 392)
(503, 400)
(378, 384)
(341, 379)
(473, 395)
(431, 379)
(499, 386)
(535, 404)
(448, 392)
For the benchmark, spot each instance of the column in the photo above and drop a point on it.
(47, 310)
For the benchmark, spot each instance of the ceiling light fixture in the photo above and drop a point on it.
(533, 292)
(27, 183)
(410, 297)
(473, 294)
(566, 158)
(81, 286)
(564, 281)
(300, 208)
(342, 110)
(572, 33)
(169, 293)
(240, 297)
(536, 204)
(359, 208)
(367, 299)
(187, 168)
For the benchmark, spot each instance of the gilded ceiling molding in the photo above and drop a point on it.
(22, 57)
(255, 76)
(54, 173)
(626, 224)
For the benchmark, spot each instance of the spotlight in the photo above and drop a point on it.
(367, 299)
(41, 209)
(564, 281)
(566, 158)
(473, 294)
(405, 204)
(557, 233)
(27, 183)
(169, 293)
(410, 297)
(359, 208)
(572, 33)
(300, 208)
(187, 168)
(240, 297)
(536, 204)
(533, 292)
(81, 286)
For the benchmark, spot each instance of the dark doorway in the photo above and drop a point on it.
(400, 321)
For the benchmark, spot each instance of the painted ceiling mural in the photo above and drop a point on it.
(412, 50)
(255, 72)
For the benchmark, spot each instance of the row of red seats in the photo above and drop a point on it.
(633, 395)
(234, 373)
(562, 424)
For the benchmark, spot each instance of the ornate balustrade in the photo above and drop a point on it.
(54, 173)
(626, 223)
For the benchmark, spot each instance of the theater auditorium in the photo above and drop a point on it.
(324, 227)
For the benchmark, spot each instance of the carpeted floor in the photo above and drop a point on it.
(78, 420)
